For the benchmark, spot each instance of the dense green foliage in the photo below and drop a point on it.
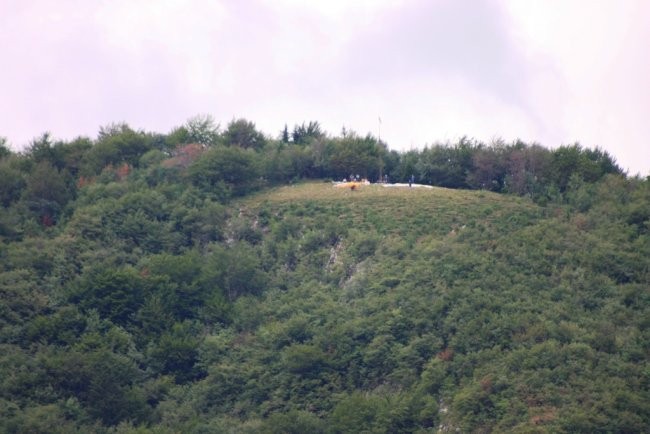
(175, 283)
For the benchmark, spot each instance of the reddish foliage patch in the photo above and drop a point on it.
(84, 181)
(121, 172)
(486, 384)
(581, 221)
(47, 220)
(543, 415)
(446, 355)
(184, 155)
(559, 213)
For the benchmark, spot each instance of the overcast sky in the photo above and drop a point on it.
(551, 72)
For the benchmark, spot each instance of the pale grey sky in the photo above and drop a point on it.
(552, 72)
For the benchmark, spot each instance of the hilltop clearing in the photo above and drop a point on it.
(405, 211)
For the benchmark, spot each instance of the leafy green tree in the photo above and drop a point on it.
(589, 165)
(488, 168)
(63, 327)
(200, 223)
(278, 166)
(391, 160)
(5, 150)
(177, 353)
(354, 155)
(406, 167)
(304, 359)
(293, 422)
(42, 419)
(42, 149)
(182, 275)
(72, 154)
(284, 136)
(226, 170)
(446, 166)
(360, 413)
(235, 270)
(605, 162)
(242, 133)
(155, 316)
(199, 129)
(177, 136)
(475, 407)
(104, 382)
(116, 294)
(304, 134)
(47, 191)
(528, 169)
(12, 181)
(116, 144)
(23, 302)
(244, 274)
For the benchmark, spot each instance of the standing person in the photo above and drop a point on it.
(411, 180)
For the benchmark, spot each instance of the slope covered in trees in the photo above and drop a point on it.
(175, 283)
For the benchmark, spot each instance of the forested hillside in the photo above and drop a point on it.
(214, 281)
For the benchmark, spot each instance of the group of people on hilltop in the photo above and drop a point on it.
(385, 179)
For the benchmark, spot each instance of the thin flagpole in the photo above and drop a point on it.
(379, 129)
(381, 163)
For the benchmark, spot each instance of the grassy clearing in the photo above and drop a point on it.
(386, 198)
(398, 209)
(325, 191)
